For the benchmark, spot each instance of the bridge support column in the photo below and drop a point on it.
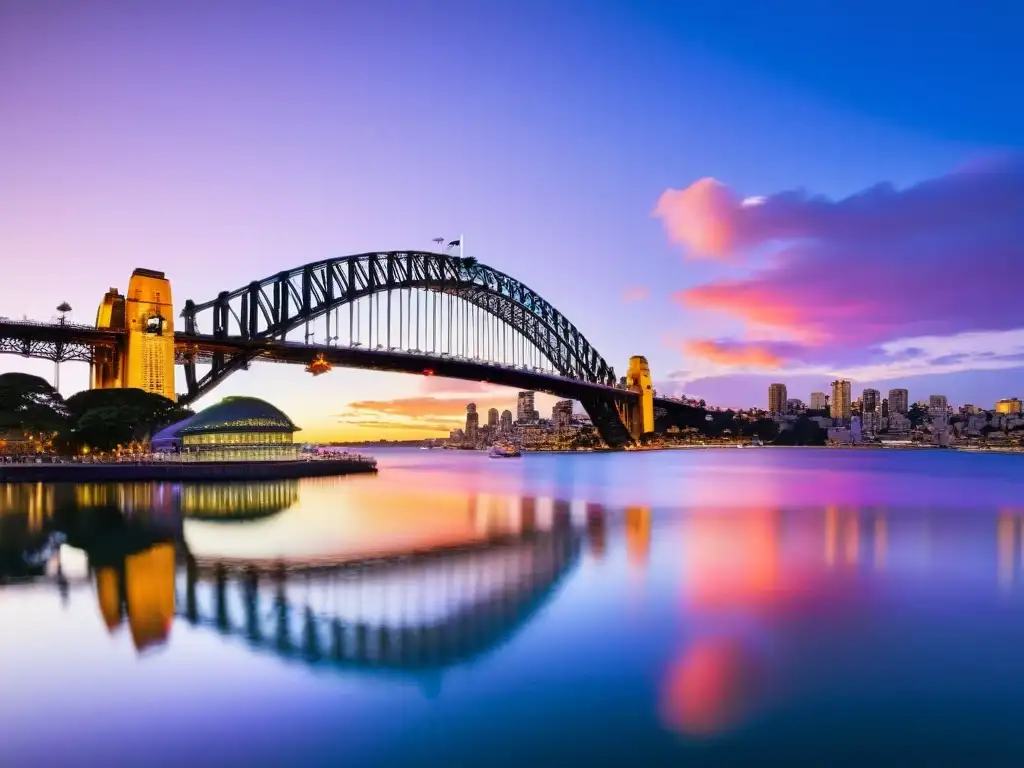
(146, 315)
(639, 415)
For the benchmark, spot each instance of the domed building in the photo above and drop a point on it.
(235, 429)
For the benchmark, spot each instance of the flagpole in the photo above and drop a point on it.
(462, 246)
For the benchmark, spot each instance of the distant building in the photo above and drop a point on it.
(777, 398)
(505, 423)
(938, 405)
(561, 414)
(869, 400)
(472, 423)
(526, 413)
(856, 430)
(1009, 405)
(819, 401)
(871, 422)
(885, 408)
(899, 401)
(841, 399)
(492, 417)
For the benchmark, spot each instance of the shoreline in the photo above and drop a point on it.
(213, 471)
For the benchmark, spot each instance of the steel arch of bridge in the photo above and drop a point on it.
(268, 309)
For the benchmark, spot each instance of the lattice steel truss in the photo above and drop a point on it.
(59, 344)
(269, 309)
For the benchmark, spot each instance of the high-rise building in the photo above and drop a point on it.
(526, 413)
(819, 401)
(1009, 405)
(841, 399)
(899, 401)
(506, 421)
(561, 414)
(472, 422)
(777, 398)
(885, 408)
(938, 405)
(870, 400)
(492, 417)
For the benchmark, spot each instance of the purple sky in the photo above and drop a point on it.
(223, 145)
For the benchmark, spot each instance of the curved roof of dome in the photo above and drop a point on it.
(172, 432)
(237, 414)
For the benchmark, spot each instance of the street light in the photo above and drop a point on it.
(63, 308)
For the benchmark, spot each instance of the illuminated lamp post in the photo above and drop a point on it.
(63, 308)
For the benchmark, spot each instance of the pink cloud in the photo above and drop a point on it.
(637, 293)
(733, 353)
(937, 259)
(710, 218)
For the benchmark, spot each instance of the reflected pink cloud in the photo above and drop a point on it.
(709, 688)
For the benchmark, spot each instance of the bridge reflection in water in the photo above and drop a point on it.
(424, 611)
(413, 610)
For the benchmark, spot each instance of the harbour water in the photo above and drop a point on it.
(700, 607)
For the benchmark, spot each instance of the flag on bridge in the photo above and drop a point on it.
(453, 243)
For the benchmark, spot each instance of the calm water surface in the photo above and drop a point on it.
(698, 607)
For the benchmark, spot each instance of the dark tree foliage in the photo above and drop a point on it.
(99, 418)
(30, 404)
(106, 418)
(764, 429)
(802, 432)
(917, 415)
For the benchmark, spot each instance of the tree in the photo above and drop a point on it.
(28, 403)
(804, 431)
(917, 415)
(106, 418)
(764, 429)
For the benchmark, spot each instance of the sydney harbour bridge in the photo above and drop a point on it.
(407, 312)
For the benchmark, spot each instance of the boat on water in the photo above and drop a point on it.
(504, 451)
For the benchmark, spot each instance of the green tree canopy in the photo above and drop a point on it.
(29, 403)
(106, 418)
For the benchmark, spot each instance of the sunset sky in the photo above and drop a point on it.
(744, 195)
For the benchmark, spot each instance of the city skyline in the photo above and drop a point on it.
(740, 199)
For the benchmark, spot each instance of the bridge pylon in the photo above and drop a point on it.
(145, 359)
(639, 416)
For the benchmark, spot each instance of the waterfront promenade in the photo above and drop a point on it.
(207, 471)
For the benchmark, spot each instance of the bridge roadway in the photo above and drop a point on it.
(75, 342)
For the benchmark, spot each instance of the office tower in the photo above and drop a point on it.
(819, 401)
(506, 421)
(492, 417)
(899, 401)
(869, 400)
(525, 411)
(938, 405)
(885, 408)
(561, 414)
(472, 422)
(777, 398)
(841, 400)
